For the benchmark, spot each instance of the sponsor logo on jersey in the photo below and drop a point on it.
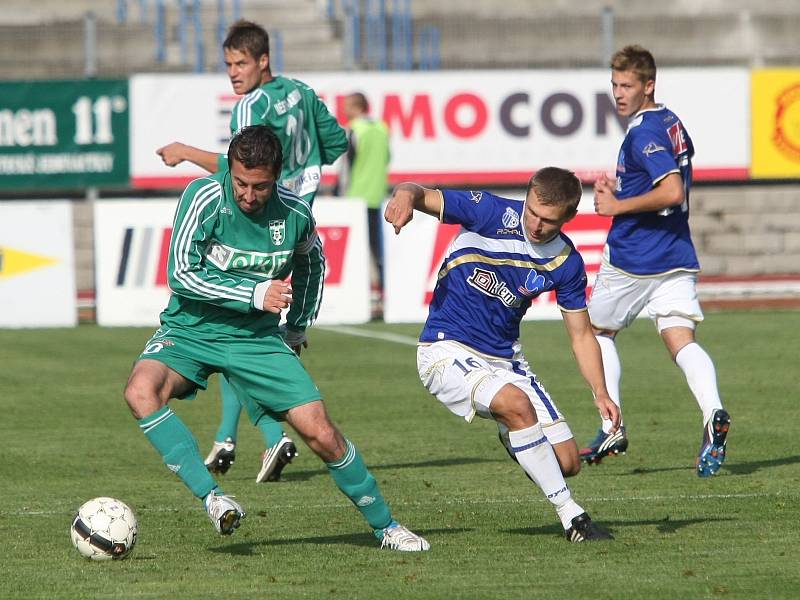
(652, 148)
(476, 196)
(226, 210)
(510, 218)
(277, 231)
(535, 284)
(677, 136)
(227, 258)
(15, 262)
(504, 231)
(487, 283)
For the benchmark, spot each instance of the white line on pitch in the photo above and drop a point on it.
(374, 335)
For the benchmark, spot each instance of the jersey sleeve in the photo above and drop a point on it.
(571, 290)
(470, 209)
(308, 273)
(653, 152)
(252, 109)
(188, 273)
(332, 138)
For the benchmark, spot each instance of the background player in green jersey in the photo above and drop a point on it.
(310, 137)
(236, 237)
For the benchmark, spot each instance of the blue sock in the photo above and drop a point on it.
(357, 483)
(178, 449)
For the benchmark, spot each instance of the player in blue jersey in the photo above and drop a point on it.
(649, 261)
(507, 253)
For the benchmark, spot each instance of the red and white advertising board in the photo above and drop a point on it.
(462, 127)
(413, 257)
(132, 245)
(37, 264)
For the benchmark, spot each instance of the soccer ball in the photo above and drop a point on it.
(104, 529)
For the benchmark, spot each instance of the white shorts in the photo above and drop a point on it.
(670, 300)
(466, 381)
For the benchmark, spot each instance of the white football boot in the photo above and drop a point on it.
(224, 512)
(397, 537)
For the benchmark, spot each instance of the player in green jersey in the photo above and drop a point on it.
(237, 235)
(310, 137)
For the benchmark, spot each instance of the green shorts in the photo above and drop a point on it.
(266, 374)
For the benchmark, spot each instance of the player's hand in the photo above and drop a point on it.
(608, 410)
(400, 208)
(278, 296)
(605, 202)
(172, 154)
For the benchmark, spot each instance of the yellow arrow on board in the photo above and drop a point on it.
(14, 262)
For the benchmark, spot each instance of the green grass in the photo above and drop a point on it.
(67, 436)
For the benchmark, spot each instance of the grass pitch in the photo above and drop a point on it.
(67, 437)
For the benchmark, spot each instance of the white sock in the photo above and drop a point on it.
(701, 376)
(536, 457)
(613, 372)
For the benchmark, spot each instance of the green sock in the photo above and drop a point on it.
(178, 449)
(358, 484)
(271, 429)
(231, 409)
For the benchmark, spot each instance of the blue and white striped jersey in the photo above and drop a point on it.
(656, 242)
(492, 273)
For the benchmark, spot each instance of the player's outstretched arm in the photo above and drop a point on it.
(408, 197)
(590, 363)
(175, 153)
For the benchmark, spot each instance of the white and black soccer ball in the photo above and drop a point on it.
(104, 529)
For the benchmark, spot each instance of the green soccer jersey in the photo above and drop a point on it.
(218, 256)
(310, 135)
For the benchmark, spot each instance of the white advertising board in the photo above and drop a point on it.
(413, 257)
(132, 245)
(37, 264)
(463, 127)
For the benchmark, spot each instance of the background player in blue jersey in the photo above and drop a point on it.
(310, 137)
(649, 261)
(507, 253)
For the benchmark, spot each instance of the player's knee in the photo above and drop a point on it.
(326, 442)
(141, 397)
(512, 407)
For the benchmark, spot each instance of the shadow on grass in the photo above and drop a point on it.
(442, 462)
(732, 467)
(665, 525)
(365, 540)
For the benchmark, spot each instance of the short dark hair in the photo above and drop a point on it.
(247, 36)
(360, 101)
(256, 146)
(557, 187)
(637, 59)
